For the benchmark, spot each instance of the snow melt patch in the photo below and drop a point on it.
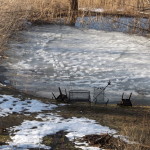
(30, 133)
(92, 9)
(10, 105)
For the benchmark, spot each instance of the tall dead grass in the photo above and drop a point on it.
(126, 5)
(139, 133)
(132, 123)
(12, 19)
(135, 127)
(48, 10)
(15, 13)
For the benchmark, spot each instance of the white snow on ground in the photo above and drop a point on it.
(30, 133)
(88, 148)
(2, 85)
(98, 10)
(10, 104)
(92, 9)
(52, 56)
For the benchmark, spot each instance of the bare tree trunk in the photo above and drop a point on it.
(73, 11)
(138, 5)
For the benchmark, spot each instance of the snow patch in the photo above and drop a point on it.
(10, 105)
(30, 133)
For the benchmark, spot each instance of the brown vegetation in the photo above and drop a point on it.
(105, 141)
(133, 122)
(12, 19)
(15, 13)
(113, 5)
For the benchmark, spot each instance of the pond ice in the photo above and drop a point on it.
(50, 56)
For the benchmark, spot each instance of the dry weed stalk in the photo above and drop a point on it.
(12, 19)
(14, 13)
(139, 133)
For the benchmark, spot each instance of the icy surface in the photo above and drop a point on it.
(50, 56)
(10, 105)
(30, 133)
(113, 23)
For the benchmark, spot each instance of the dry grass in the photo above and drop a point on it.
(132, 122)
(112, 5)
(15, 13)
(139, 132)
(11, 19)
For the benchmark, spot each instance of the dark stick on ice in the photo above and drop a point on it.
(66, 92)
(61, 95)
(54, 95)
(60, 91)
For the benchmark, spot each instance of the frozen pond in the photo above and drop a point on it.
(50, 56)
